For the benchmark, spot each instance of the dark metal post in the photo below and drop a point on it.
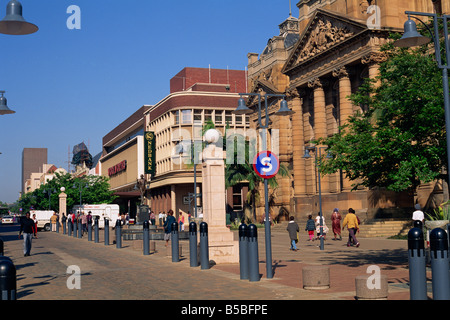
(439, 264)
(80, 228)
(253, 256)
(146, 245)
(89, 225)
(204, 246)
(106, 231)
(96, 236)
(417, 265)
(74, 226)
(57, 226)
(118, 234)
(69, 223)
(64, 223)
(174, 240)
(243, 251)
(1, 247)
(193, 244)
(8, 281)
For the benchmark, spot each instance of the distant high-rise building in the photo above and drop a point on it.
(33, 160)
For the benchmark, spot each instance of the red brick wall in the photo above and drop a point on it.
(187, 77)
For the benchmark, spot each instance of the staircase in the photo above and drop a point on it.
(384, 228)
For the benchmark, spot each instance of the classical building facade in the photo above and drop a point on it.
(338, 47)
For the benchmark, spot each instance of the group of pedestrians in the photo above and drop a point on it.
(319, 226)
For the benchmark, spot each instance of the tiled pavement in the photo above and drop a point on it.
(108, 273)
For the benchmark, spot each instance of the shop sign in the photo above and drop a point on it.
(149, 152)
(122, 166)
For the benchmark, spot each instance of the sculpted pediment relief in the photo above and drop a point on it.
(324, 32)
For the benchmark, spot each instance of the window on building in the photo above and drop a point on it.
(176, 116)
(186, 116)
(197, 116)
(228, 117)
(218, 119)
(238, 119)
(208, 115)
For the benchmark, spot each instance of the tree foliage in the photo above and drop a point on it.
(93, 190)
(399, 140)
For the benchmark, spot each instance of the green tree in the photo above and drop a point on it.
(399, 140)
(93, 189)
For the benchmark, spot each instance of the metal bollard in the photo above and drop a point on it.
(69, 228)
(146, 245)
(80, 229)
(439, 264)
(8, 281)
(106, 231)
(89, 225)
(204, 246)
(174, 240)
(118, 234)
(74, 227)
(1, 248)
(64, 223)
(417, 265)
(243, 251)
(96, 236)
(253, 256)
(193, 244)
(57, 226)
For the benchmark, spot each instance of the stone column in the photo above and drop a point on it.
(298, 142)
(320, 123)
(320, 116)
(345, 108)
(222, 247)
(373, 61)
(62, 203)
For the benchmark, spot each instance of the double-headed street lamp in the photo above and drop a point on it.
(318, 154)
(284, 110)
(412, 38)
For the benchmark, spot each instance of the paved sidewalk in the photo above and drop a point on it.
(111, 273)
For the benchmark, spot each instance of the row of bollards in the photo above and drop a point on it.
(204, 246)
(248, 253)
(439, 263)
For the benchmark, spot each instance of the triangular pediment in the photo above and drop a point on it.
(325, 31)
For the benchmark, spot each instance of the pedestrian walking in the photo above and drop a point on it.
(152, 218)
(336, 223)
(324, 226)
(53, 221)
(181, 221)
(310, 227)
(26, 227)
(293, 230)
(168, 226)
(351, 221)
(160, 218)
(35, 225)
(418, 214)
(83, 222)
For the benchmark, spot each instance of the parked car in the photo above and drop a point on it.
(7, 220)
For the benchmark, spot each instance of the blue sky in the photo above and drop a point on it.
(69, 86)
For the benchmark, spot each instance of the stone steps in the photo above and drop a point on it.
(384, 228)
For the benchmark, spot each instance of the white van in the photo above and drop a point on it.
(43, 218)
(108, 211)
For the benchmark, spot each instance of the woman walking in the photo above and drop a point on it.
(352, 225)
(336, 223)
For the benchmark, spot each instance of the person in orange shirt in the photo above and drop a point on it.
(351, 221)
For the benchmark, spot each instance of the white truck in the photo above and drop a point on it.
(43, 218)
(104, 211)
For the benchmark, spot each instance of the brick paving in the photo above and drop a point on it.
(108, 273)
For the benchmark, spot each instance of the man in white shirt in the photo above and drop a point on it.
(418, 214)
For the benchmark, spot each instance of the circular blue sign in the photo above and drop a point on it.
(266, 164)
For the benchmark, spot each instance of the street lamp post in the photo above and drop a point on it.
(49, 192)
(242, 109)
(412, 38)
(317, 164)
(4, 106)
(14, 23)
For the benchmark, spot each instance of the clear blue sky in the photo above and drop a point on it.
(69, 86)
